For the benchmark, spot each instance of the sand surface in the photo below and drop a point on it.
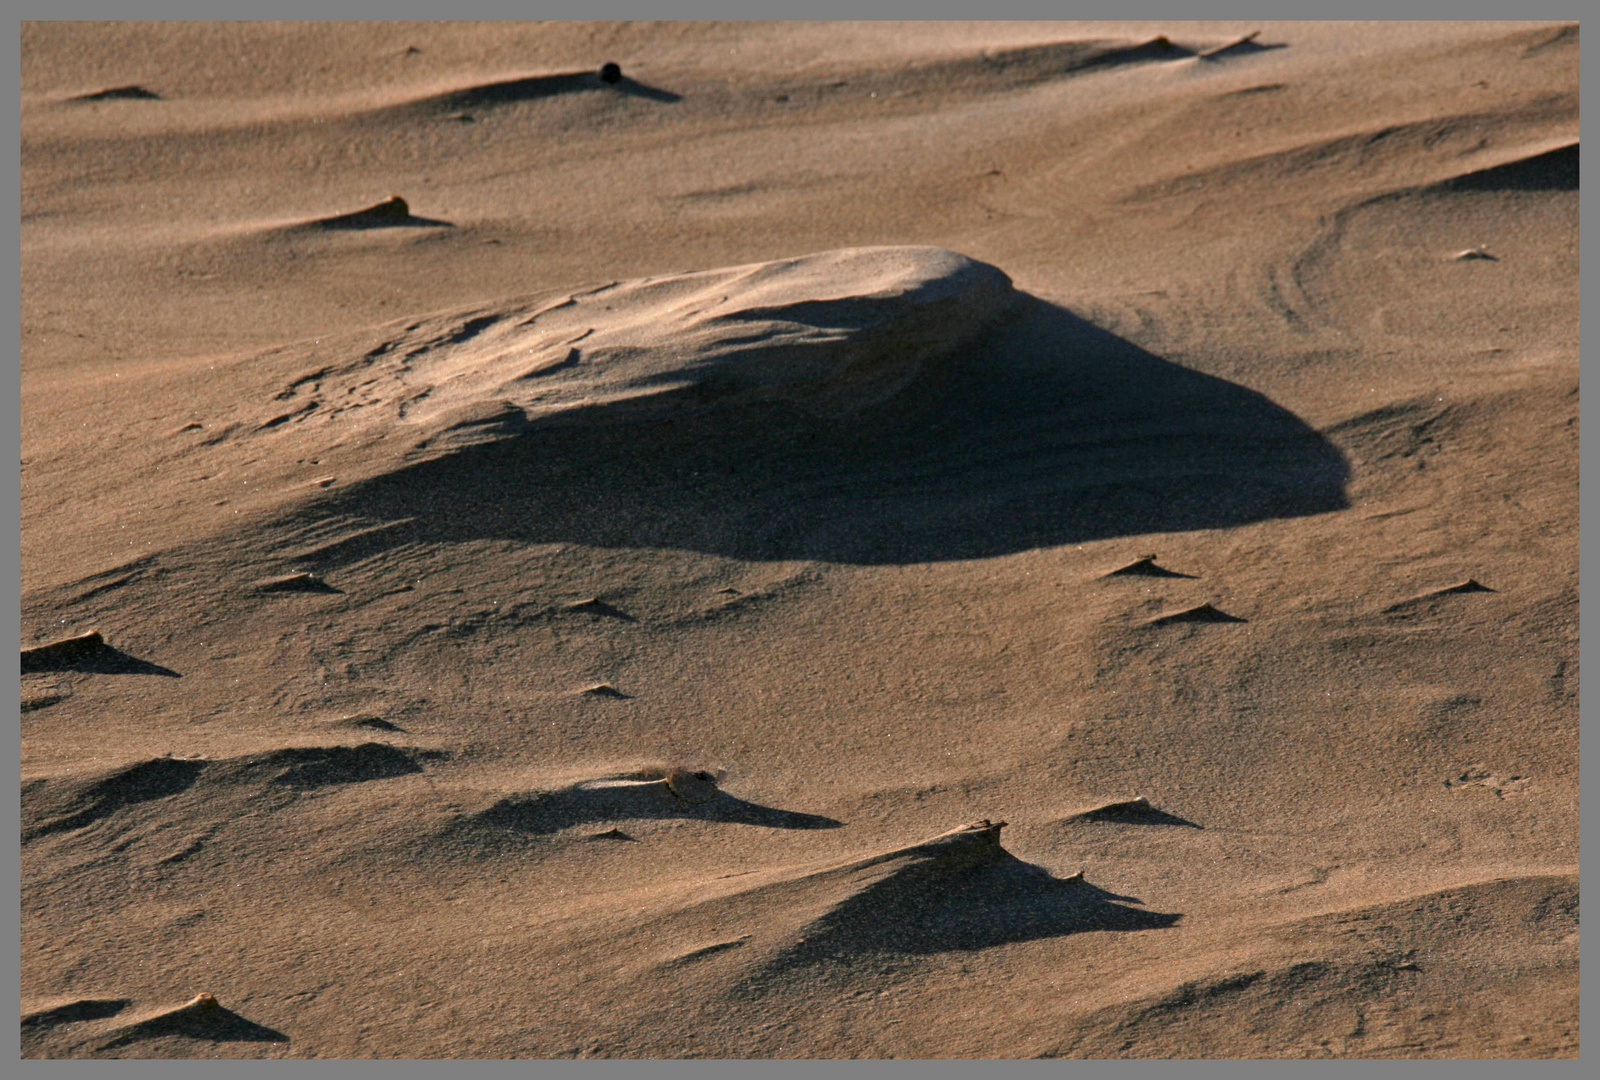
(847, 541)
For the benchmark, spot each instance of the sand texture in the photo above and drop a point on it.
(884, 540)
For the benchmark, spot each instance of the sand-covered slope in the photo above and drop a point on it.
(522, 563)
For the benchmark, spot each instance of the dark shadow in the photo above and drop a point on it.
(120, 93)
(597, 606)
(52, 807)
(74, 1012)
(537, 87)
(997, 903)
(1414, 604)
(1054, 431)
(1146, 567)
(392, 213)
(544, 812)
(1130, 813)
(1553, 170)
(322, 766)
(1202, 613)
(102, 659)
(604, 690)
(216, 1024)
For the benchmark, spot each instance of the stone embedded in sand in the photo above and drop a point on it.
(1479, 252)
(829, 333)
(693, 786)
(605, 690)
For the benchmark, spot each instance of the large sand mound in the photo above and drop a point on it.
(833, 332)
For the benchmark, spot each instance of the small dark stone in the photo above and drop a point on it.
(610, 72)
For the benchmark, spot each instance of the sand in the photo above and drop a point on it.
(886, 540)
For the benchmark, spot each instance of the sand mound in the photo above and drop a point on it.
(957, 891)
(120, 93)
(52, 806)
(832, 332)
(1200, 613)
(203, 1018)
(1135, 811)
(391, 213)
(652, 793)
(1144, 567)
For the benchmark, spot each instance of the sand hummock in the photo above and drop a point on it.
(535, 536)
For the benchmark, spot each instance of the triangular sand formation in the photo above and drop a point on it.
(119, 93)
(1200, 613)
(1471, 585)
(958, 890)
(203, 1018)
(62, 651)
(391, 212)
(1135, 811)
(1145, 566)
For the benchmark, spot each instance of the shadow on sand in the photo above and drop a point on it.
(1052, 432)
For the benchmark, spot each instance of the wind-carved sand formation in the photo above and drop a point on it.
(562, 608)
(832, 333)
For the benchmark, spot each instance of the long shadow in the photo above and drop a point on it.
(58, 806)
(1553, 170)
(536, 87)
(544, 812)
(217, 1024)
(1054, 431)
(997, 903)
(1128, 815)
(74, 1012)
(49, 807)
(101, 659)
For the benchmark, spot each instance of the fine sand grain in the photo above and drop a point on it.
(528, 558)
